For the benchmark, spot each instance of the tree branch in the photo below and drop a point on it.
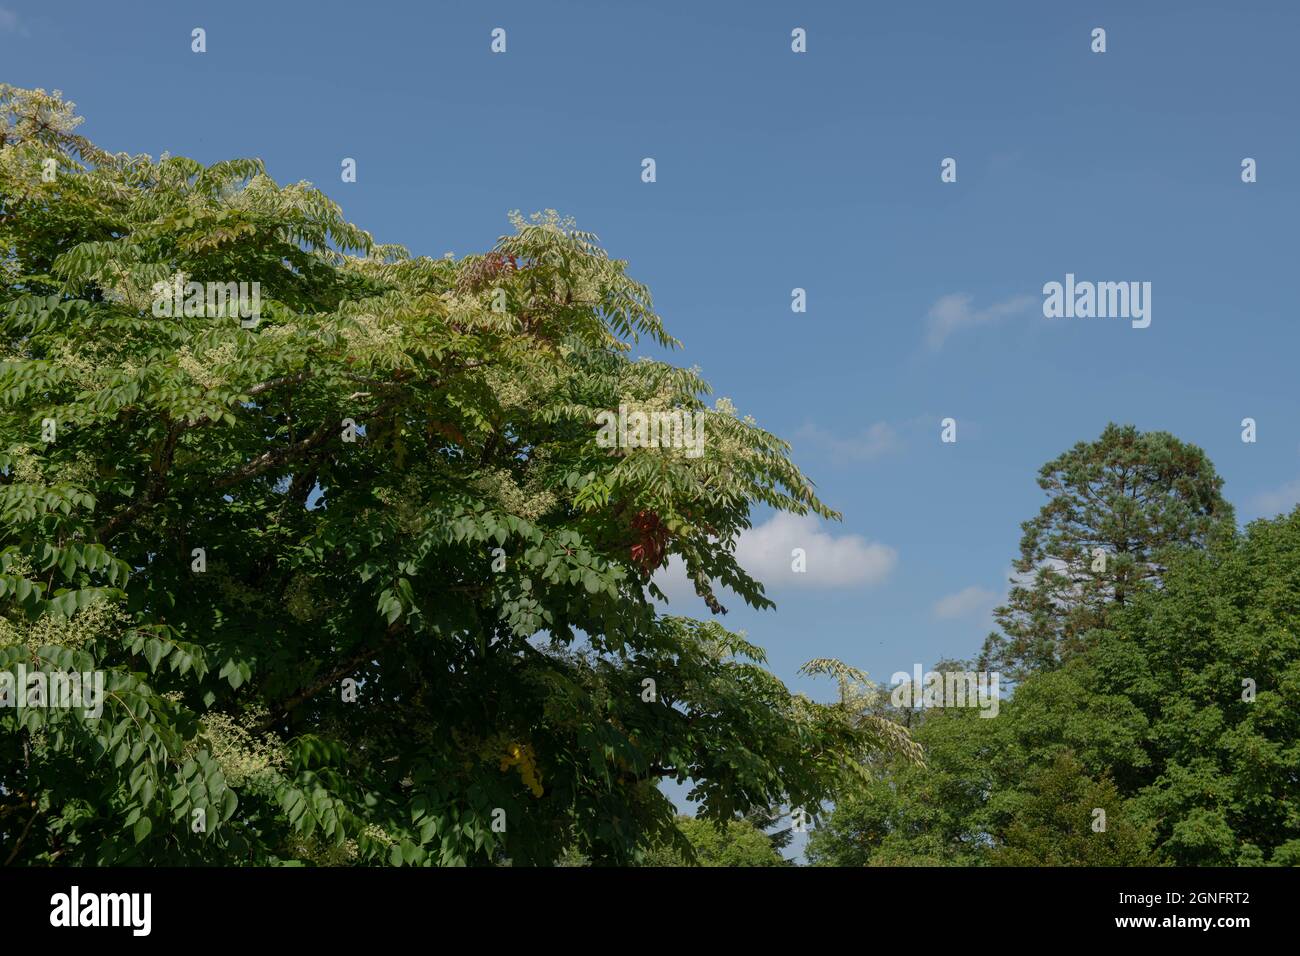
(153, 493)
(158, 485)
(333, 677)
(23, 838)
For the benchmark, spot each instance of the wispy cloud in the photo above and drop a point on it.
(869, 444)
(9, 22)
(968, 602)
(953, 313)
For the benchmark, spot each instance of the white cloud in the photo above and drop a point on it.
(871, 443)
(967, 602)
(1278, 500)
(672, 580)
(833, 562)
(951, 313)
(8, 21)
(764, 551)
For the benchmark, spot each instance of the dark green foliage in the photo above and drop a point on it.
(1152, 722)
(426, 646)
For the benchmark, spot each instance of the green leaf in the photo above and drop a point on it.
(153, 652)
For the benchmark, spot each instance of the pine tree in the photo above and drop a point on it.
(1116, 506)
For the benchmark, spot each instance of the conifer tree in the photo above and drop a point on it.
(1117, 507)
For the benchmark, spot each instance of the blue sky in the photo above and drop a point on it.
(778, 170)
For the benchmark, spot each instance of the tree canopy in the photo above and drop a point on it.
(1180, 720)
(717, 843)
(364, 585)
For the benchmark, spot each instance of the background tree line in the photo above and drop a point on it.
(1163, 690)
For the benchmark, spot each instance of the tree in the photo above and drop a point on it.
(1180, 720)
(771, 822)
(1212, 660)
(1116, 507)
(1066, 818)
(336, 525)
(936, 815)
(717, 843)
